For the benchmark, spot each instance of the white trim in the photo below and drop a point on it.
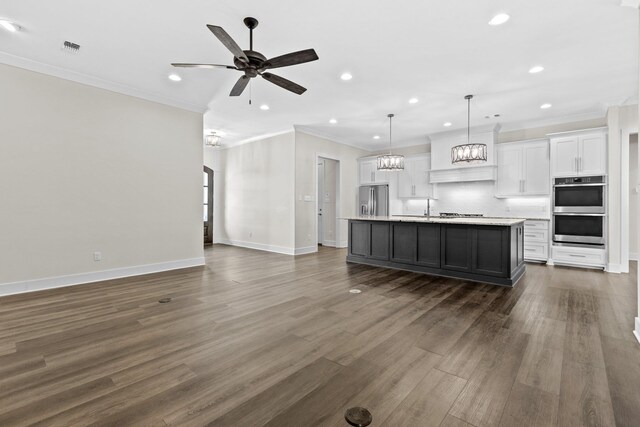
(329, 243)
(337, 230)
(636, 332)
(630, 3)
(259, 246)
(95, 276)
(254, 139)
(344, 244)
(633, 256)
(74, 76)
(306, 250)
(614, 268)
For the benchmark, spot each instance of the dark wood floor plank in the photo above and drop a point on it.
(428, 403)
(257, 338)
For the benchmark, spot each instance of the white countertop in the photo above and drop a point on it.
(439, 220)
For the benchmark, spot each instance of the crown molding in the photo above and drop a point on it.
(320, 134)
(631, 3)
(74, 76)
(233, 144)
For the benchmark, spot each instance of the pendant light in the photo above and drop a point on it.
(390, 162)
(212, 140)
(469, 153)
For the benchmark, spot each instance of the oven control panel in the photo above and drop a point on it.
(580, 180)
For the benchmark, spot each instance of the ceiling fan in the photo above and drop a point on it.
(253, 63)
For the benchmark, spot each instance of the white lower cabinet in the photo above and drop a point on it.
(536, 240)
(579, 257)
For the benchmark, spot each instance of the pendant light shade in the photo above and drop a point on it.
(212, 140)
(390, 162)
(469, 153)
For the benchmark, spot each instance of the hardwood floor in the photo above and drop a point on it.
(256, 339)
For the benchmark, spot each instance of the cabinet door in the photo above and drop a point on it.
(420, 172)
(403, 243)
(490, 246)
(379, 240)
(536, 169)
(592, 156)
(455, 243)
(428, 247)
(359, 235)
(405, 180)
(564, 156)
(367, 171)
(509, 170)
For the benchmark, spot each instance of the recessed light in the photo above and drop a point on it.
(536, 69)
(175, 77)
(376, 136)
(447, 124)
(413, 101)
(9, 26)
(333, 121)
(264, 107)
(499, 19)
(545, 106)
(355, 291)
(346, 76)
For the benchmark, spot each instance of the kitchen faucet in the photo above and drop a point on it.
(427, 211)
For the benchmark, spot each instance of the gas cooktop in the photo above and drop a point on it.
(459, 215)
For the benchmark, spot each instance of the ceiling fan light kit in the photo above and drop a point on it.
(390, 162)
(252, 63)
(469, 153)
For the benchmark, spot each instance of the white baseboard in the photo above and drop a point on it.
(306, 250)
(344, 244)
(329, 243)
(613, 268)
(633, 256)
(637, 331)
(259, 246)
(94, 276)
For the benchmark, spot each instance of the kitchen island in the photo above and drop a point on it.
(489, 250)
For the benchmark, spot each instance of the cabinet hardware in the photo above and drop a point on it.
(580, 164)
(577, 256)
(575, 161)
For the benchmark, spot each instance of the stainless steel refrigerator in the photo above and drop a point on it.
(373, 200)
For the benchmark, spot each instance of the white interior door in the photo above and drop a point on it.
(320, 204)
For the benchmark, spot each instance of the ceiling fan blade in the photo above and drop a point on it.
(284, 83)
(186, 65)
(238, 88)
(293, 58)
(229, 43)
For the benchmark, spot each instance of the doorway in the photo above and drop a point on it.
(327, 201)
(207, 213)
(634, 188)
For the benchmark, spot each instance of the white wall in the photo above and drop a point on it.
(307, 148)
(634, 184)
(254, 194)
(84, 169)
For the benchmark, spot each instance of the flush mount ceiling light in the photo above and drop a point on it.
(264, 107)
(413, 101)
(499, 19)
(212, 140)
(390, 162)
(12, 27)
(545, 106)
(469, 152)
(536, 69)
(333, 121)
(346, 76)
(175, 78)
(376, 136)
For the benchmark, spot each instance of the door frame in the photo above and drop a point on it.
(209, 239)
(319, 156)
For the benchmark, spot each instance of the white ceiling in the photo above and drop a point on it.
(435, 50)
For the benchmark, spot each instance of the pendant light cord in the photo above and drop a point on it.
(390, 117)
(468, 98)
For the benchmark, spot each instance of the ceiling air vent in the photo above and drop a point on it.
(70, 46)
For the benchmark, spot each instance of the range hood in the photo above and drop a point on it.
(442, 170)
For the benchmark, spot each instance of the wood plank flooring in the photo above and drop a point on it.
(257, 339)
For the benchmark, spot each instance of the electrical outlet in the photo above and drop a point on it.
(97, 256)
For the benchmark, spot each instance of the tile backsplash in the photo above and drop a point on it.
(475, 197)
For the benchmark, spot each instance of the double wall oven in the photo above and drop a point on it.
(579, 211)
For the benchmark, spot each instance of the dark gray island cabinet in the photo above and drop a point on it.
(483, 250)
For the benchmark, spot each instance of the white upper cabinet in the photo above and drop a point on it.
(579, 153)
(413, 181)
(368, 172)
(523, 169)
